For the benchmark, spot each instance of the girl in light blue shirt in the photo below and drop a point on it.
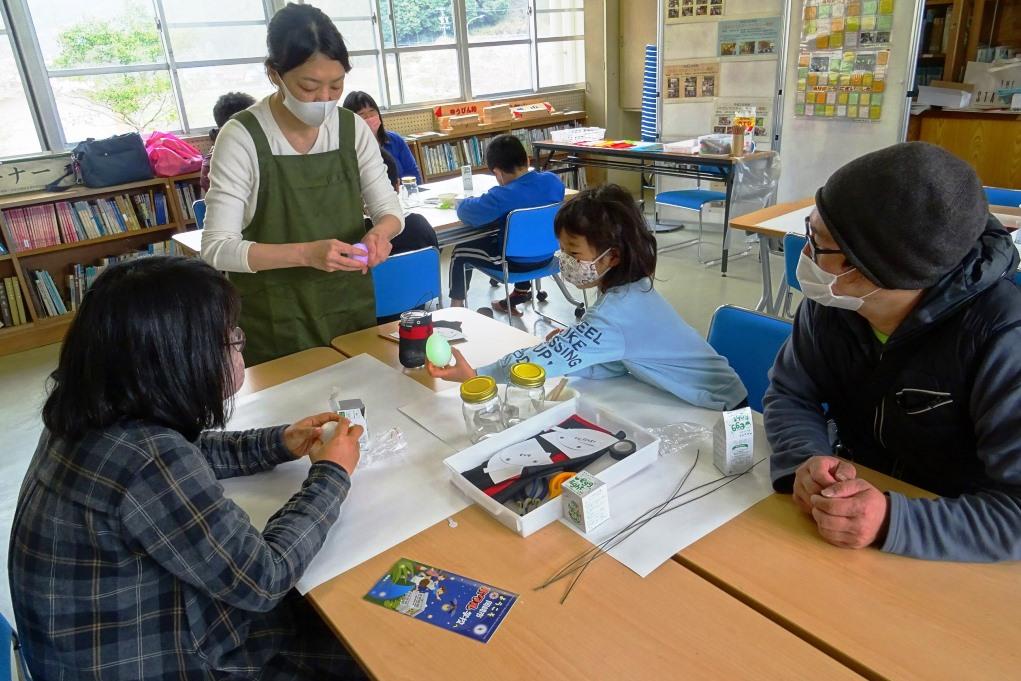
(605, 243)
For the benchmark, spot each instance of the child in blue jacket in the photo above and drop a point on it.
(518, 187)
(631, 328)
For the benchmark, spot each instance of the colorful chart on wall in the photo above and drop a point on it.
(841, 84)
(679, 11)
(690, 80)
(725, 112)
(748, 38)
(842, 64)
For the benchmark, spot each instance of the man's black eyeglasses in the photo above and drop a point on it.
(813, 248)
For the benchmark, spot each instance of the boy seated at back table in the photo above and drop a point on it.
(518, 187)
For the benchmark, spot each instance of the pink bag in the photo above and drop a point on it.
(169, 155)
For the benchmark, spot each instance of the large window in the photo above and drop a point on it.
(73, 69)
(19, 136)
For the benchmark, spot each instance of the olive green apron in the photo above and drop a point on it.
(304, 198)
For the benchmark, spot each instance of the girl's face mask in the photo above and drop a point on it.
(581, 273)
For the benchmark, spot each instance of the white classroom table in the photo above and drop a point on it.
(449, 230)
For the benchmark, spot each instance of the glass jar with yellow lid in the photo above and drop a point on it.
(480, 405)
(526, 391)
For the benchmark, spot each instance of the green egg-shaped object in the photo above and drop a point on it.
(437, 349)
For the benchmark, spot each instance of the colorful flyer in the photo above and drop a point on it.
(443, 599)
(749, 37)
(691, 80)
(678, 11)
(730, 113)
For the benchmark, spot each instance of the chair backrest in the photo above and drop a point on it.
(199, 208)
(10, 650)
(998, 196)
(529, 234)
(750, 341)
(793, 244)
(1017, 278)
(406, 281)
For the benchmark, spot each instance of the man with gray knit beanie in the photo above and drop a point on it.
(909, 341)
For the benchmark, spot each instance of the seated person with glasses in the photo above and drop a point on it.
(127, 560)
(909, 343)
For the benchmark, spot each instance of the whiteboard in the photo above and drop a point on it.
(812, 149)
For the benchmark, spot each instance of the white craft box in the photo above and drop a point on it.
(605, 468)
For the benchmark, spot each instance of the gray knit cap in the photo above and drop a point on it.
(904, 215)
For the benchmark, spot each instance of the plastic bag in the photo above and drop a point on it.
(385, 449)
(169, 155)
(676, 436)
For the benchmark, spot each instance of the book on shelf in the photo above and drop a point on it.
(12, 306)
(446, 157)
(51, 301)
(67, 222)
(187, 195)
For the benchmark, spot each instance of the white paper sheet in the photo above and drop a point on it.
(386, 504)
(793, 222)
(649, 407)
(660, 539)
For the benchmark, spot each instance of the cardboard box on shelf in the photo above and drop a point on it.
(527, 112)
(460, 108)
(946, 93)
(497, 113)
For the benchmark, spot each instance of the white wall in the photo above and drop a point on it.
(811, 149)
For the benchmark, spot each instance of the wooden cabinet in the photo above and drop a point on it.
(637, 29)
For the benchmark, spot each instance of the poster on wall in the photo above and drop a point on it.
(749, 38)
(846, 24)
(690, 80)
(725, 113)
(841, 85)
(679, 11)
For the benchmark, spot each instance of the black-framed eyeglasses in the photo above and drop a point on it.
(237, 339)
(813, 248)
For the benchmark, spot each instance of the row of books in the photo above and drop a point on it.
(66, 222)
(447, 157)
(12, 305)
(187, 193)
(450, 156)
(50, 301)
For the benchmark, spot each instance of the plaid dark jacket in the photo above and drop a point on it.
(127, 562)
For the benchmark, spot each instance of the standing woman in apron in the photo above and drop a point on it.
(290, 179)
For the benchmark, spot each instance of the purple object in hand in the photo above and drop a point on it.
(364, 259)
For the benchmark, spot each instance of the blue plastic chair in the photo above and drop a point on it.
(9, 647)
(199, 208)
(695, 200)
(1017, 278)
(998, 196)
(406, 281)
(750, 341)
(528, 238)
(793, 245)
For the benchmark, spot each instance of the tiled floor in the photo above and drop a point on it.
(694, 290)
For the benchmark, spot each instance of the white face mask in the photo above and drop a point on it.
(817, 284)
(581, 273)
(312, 114)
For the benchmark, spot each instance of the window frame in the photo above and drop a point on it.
(36, 76)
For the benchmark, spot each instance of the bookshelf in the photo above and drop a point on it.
(44, 241)
(468, 145)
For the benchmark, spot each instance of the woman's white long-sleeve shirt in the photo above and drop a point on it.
(234, 182)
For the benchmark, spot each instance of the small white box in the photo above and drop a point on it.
(354, 411)
(586, 501)
(607, 469)
(734, 441)
(945, 93)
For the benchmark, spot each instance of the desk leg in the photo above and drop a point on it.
(766, 301)
(726, 222)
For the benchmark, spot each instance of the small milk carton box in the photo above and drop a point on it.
(354, 411)
(586, 501)
(733, 441)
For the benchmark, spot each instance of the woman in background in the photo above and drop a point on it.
(365, 106)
